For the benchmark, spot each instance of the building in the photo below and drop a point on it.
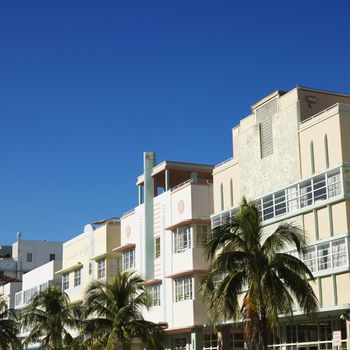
(163, 239)
(27, 255)
(292, 156)
(34, 282)
(89, 256)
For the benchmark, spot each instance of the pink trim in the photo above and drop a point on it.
(124, 248)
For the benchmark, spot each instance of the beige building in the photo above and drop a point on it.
(89, 256)
(292, 156)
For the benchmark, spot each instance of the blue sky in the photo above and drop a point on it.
(87, 86)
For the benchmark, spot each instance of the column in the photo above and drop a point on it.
(167, 180)
(196, 339)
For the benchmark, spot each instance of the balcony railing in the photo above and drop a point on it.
(320, 188)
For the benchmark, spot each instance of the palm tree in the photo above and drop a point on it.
(244, 264)
(51, 319)
(113, 314)
(8, 328)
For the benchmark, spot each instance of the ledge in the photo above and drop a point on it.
(189, 222)
(188, 273)
(70, 268)
(182, 329)
(124, 248)
(153, 282)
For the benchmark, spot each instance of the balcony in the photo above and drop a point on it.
(318, 190)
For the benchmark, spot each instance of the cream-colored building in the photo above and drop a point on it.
(89, 256)
(292, 156)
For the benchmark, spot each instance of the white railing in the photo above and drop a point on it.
(189, 181)
(290, 200)
(223, 162)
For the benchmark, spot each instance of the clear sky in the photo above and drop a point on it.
(87, 86)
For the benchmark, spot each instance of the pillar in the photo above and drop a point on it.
(147, 236)
(196, 339)
(167, 180)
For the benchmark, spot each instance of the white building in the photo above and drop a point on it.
(28, 255)
(163, 239)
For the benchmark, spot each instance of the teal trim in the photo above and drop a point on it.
(194, 176)
(196, 339)
(167, 180)
(147, 239)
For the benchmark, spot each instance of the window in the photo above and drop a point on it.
(90, 268)
(320, 190)
(182, 239)
(52, 257)
(101, 268)
(29, 294)
(77, 277)
(334, 184)
(210, 341)
(202, 235)
(180, 344)
(268, 207)
(154, 295)
(18, 298)
(157, 247)
(324, 256)
(65, 281)
(236, 341)
(339, 253)
(292, 198)
(305, 194)
(280, 203)
(129, 259)
(29, 257)
(183, 289)
(44, 286)
(310, 258)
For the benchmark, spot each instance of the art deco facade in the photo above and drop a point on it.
(292, 156)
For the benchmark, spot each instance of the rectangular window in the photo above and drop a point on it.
(129, 259)
(180, 344)
(320, 190)
(29, 257)
(18, 298)
(310, 258)
(202, 235)
(101, 268)
(157, 247)
(324, 256)
(44, 286)
(334, 184)
(154, 295)
(77, 277)
(268, 207)
(65, 281)
(339, 253)
(182, 239)
(305, 194)
(52, 257)
(183, 289)
(236, 341)
(210, 341)
(90, 267)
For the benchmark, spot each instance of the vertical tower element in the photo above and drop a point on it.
(147, 237)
